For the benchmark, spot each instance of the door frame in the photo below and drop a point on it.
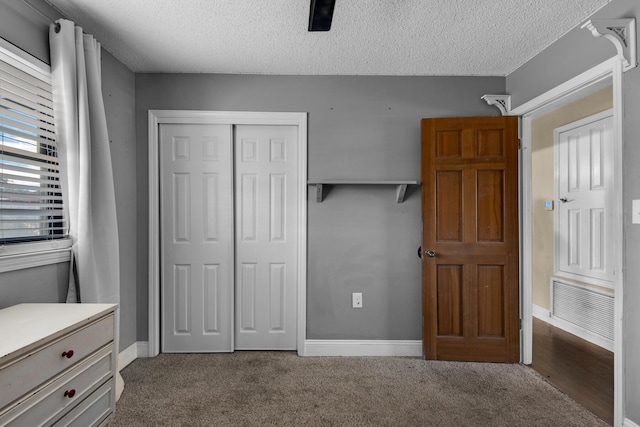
(158, 117)
(602, 75)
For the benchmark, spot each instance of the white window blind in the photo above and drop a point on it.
(30, 196)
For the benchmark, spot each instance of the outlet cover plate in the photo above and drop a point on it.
(356, 300)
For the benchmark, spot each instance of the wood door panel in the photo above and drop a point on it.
(490, 301)
(490, 205)
(449, 206)
(470, 220)
(490, 143)
(449, 306)
(449, 144)
(492, 350)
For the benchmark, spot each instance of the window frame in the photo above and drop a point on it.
(17, 256)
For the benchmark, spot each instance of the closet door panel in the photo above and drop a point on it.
(266, 211)
(196, 191)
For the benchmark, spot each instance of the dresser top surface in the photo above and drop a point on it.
(24, 326)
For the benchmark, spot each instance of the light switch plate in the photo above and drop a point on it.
(635, 212)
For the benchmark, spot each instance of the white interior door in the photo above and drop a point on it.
(585, 176)
(266, 240)
(197, 238)
(229, 204)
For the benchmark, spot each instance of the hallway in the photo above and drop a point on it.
(582, 370)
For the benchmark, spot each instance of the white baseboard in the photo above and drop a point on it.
(628, 423)
(400, 348)
(127, 356)
(131, 353)
(143, 348)
(541, 313)
(544, 315)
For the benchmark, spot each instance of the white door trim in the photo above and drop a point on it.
(598, 76)
(157, 117)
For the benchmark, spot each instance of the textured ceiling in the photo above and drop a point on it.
(367, 37)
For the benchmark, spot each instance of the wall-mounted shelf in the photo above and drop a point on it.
(400, 184)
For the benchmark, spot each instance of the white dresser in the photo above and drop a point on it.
(57, 364)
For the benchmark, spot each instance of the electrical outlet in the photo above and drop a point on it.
(635, 211)
(356, 300)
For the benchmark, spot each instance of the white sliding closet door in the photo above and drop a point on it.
(266, 226)
(197, 238)
(229, 224)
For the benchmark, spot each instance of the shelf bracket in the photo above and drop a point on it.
(501, 102)
(620, 32)
(319, 194)
(400, 192)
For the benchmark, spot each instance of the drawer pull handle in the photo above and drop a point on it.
(70, 393)
(68, 354)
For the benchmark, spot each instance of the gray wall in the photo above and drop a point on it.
(29, 31)
(25, 28)
(359, 239)
(118, 90)
(47, 283)
(574, 53)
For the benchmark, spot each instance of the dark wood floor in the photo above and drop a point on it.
(582, 370)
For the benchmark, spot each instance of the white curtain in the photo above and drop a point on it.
(85, 163)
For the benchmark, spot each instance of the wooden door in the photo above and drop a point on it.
(470, 239)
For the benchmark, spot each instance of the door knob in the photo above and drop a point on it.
(564, 199)
(430, 253)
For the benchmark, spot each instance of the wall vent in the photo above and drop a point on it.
(583, 307)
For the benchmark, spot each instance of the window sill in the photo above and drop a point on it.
(29, 255)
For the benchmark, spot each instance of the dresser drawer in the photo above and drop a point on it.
(92, 411)
(22, 376)
(52, 401)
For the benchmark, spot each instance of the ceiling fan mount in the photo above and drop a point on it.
(321, 14)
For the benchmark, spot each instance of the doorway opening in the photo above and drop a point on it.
(542, 274)
(572, 256)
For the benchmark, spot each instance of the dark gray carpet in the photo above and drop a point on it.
(282, 389)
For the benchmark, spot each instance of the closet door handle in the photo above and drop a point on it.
(430, 253)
